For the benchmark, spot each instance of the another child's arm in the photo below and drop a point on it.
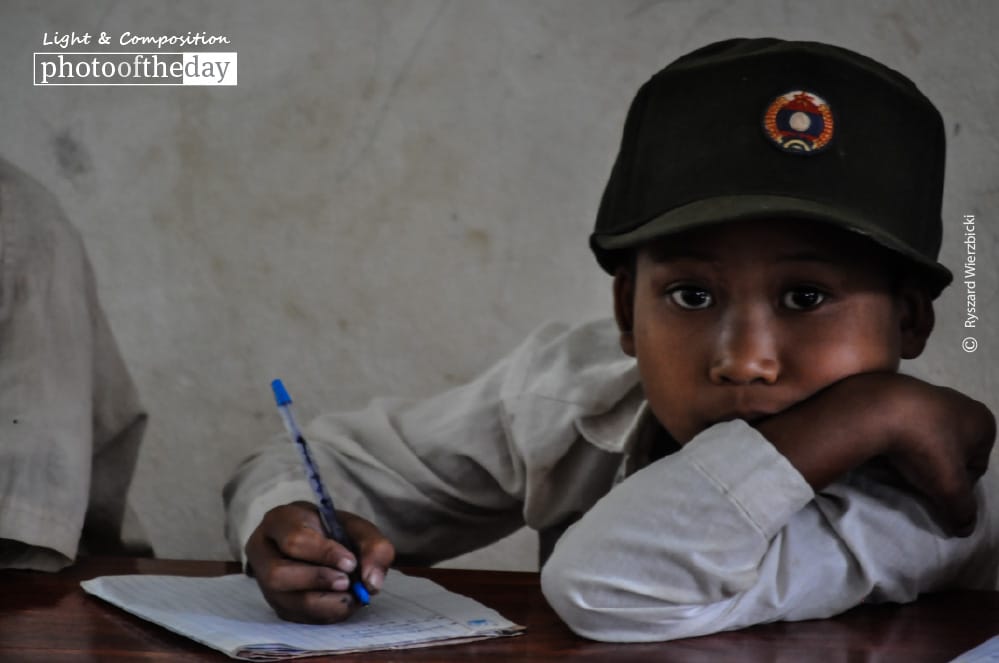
(727, 533)
(71, 421)
(303, 574)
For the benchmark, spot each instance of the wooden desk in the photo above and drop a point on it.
(46, 617)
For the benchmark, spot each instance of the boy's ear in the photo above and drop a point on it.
(624, 307)
(917, 319)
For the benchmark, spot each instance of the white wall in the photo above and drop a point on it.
(396, 192)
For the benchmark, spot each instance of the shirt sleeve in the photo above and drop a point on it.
(440, 476)
(457, 471)
(725, 533)
(70, 420)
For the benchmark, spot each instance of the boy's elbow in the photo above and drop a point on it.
(569, 599)
(599, 609)
(610, 607)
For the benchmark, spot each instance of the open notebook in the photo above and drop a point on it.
(228, 613)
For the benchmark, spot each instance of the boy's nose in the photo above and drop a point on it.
(746, 350)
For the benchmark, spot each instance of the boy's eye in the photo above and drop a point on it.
(803, 299)
(691, 298)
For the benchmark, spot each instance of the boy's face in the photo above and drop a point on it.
(743, 320)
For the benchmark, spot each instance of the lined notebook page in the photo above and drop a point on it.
(228, 613)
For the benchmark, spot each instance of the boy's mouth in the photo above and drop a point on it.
(750, 405)
(751, 416)
(752, 411)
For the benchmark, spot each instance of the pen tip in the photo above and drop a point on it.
(361, 594)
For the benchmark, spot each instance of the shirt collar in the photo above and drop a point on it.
(616, 429)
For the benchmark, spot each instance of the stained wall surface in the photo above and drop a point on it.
(395, 193)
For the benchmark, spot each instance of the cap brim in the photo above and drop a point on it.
(724, 209)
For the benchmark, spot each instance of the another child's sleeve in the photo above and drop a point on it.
(70, 419)
(725, 533)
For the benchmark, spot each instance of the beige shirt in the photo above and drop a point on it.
(70, 419)
(720, 534)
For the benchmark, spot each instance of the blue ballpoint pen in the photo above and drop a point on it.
(327, 513)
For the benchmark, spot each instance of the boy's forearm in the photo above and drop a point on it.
(724, 534)
(699, 541)
(836, 430)
(936, 438)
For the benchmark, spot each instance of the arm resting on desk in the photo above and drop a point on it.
(725, 534)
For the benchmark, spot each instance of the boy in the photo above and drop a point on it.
(772, 224)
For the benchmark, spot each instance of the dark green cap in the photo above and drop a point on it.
(768, 129)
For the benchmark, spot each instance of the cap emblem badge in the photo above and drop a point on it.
(799, 122)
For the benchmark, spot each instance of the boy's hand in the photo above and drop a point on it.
(943, 448)
(303, 574)
(937, 438)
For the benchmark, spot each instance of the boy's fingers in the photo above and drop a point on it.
(314, 607)
(376, 552)
(294, 560)
(986, 439)
(978, 462)
(286, 575)
(328, 607)
(956, 499)
(375, 563)
(966, 509)
(964, 518)
(296, 531)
